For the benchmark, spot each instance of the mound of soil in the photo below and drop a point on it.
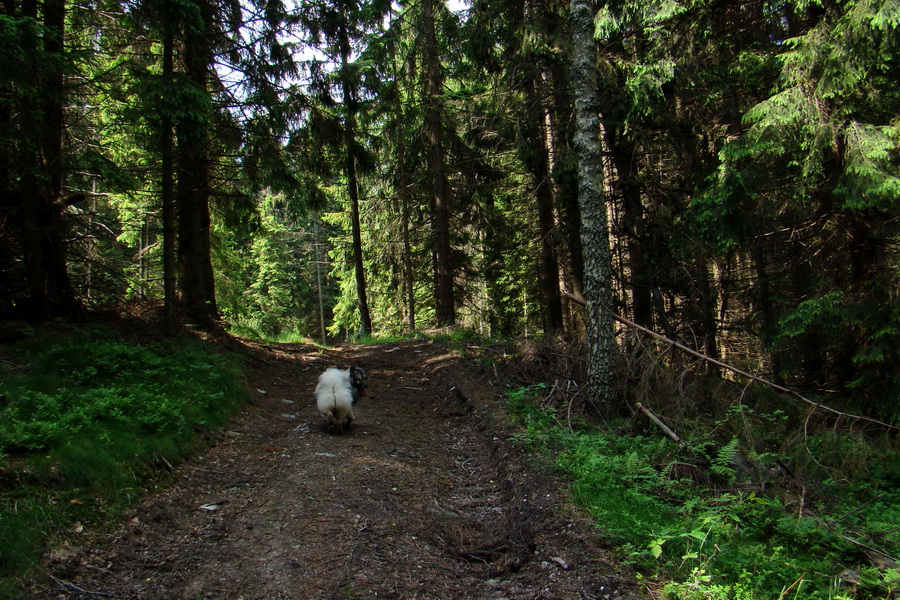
(425, 497)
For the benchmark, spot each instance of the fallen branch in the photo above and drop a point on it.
(784, 592)
(659, 422)
(569, 410)
(876, 556)
(855, 510)
(71, 587)
(740, 372)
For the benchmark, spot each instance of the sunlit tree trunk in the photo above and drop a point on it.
(600, 343)
(352, 184)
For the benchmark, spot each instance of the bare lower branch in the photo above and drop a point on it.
(740, 372)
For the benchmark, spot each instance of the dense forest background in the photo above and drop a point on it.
(660, 203)
(330, 169)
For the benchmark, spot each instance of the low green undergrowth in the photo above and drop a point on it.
(692, 516)
(87, 421)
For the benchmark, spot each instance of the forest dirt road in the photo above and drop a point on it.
(425, 498)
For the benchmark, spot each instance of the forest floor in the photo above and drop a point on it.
(426, 497)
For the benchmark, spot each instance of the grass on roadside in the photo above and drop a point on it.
(87, 420)
(686, 516)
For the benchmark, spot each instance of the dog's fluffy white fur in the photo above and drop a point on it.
(335, 396)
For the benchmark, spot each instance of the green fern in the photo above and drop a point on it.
(723, 462)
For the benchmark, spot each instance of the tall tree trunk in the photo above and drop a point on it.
(51, 293)
(8, 224)
(169, 216)
(60, 288)
(197, 301)
(352, 184)
(600, 343)
(197, 286)
(566, 179)
(403, 191)
(625, 162)
(537, 129)
(27, 224)
(539, 164)
(445, 308)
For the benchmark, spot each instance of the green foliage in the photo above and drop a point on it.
(346, 321)
(100, 387)
(654, 15)
(506, 262)
(817, 152)
(268, 282)
(825, 314)
(834, 93)
(874, 331)
(723, 463)
(871, 178)
(88, 417)
(714, 543)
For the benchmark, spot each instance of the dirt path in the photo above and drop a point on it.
(425, 498)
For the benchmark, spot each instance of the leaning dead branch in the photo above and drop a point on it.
(665, 428)
(742, 373)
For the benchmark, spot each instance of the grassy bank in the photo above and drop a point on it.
(696, 517)
(87, 422)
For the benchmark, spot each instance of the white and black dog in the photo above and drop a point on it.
(337, 392)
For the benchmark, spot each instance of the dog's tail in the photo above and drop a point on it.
(332, 412)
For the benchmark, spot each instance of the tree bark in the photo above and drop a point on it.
(197, 284)
(600, 343)
(539, 164)
(8, 224)
(445, 308)
(169, 216)
(43, 225)
(352, 184)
